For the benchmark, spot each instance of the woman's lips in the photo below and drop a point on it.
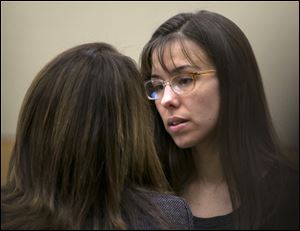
(175, 124)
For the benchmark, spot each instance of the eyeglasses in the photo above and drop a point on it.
(180, 84)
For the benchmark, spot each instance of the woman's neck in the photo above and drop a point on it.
(207, 192)
(207, 165)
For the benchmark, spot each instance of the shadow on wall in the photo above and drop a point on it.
(6, 148)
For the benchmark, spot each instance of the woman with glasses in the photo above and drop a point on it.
(84, 157)
(213, 130)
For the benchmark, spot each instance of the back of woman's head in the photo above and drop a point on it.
(83, 134)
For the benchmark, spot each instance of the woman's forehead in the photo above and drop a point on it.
(178, 53)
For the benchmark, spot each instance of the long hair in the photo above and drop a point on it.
(83, 151)
(246, 139)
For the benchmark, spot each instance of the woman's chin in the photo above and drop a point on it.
(184, 143)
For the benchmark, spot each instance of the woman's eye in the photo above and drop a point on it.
(157, 86)
(184, 80)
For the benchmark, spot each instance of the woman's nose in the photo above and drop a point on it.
(169, 98)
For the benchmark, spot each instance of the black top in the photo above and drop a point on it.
(224, 222)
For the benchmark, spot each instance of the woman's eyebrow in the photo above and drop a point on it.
(182, 68)
(155, 76)
(176, 70)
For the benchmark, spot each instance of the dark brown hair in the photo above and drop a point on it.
(84, 153)
(246, 139)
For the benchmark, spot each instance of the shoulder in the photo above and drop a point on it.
(170, 203)
(284, 197)
(174, 208)
(289, 197)
(285, 179)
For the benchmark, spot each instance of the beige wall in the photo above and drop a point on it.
(32, 33)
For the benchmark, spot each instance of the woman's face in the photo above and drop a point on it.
(191, 117)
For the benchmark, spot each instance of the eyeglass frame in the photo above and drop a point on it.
(168, 82)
